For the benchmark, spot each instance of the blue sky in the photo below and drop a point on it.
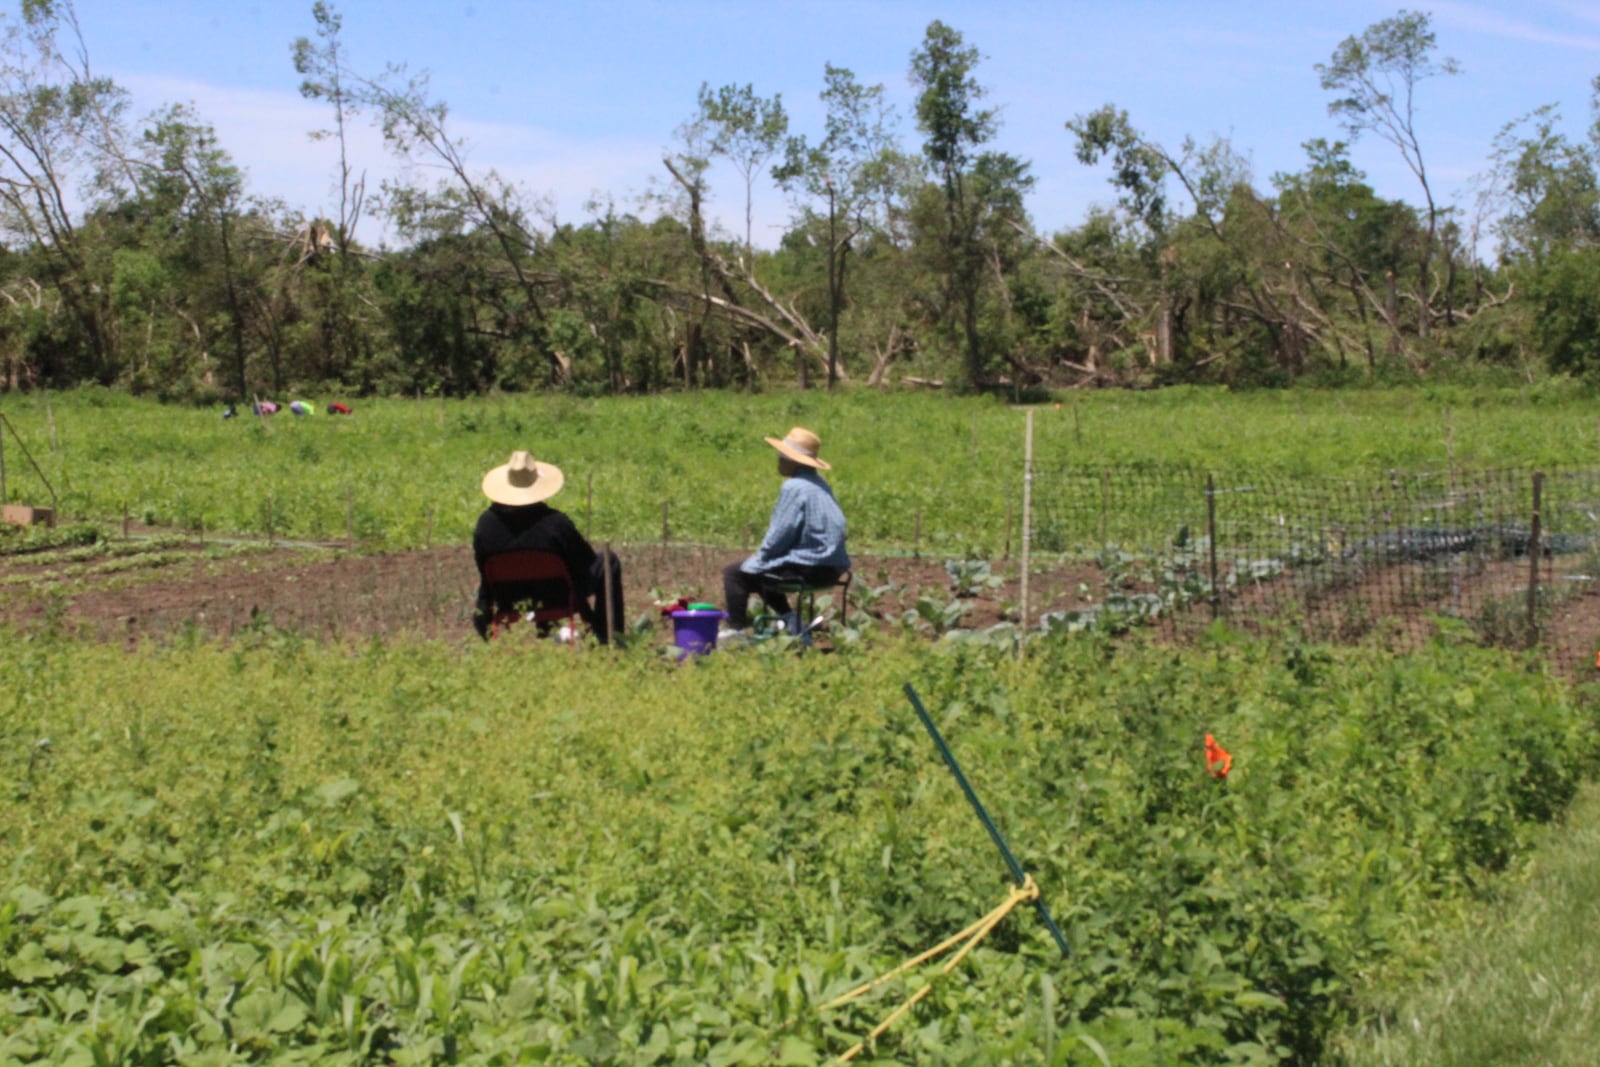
(572, 100)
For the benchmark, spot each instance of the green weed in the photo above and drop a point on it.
(423, 851)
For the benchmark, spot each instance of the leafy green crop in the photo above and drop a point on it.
(942, 474)
(282, 852)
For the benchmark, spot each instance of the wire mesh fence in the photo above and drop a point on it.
(1180, 546)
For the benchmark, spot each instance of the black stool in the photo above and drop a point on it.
(805, 597)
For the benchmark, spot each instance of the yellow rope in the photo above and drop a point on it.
(971, 936)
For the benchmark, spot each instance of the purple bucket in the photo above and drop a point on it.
(695, 632)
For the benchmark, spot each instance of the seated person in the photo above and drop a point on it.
(805, 538)
(518, 518)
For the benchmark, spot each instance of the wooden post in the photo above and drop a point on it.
(611, 621)
(1211, 536)
(1450, 449)
(1533, 561)
(1105, 508)
(1027, 523)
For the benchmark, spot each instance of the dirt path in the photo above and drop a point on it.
(330, 593)
(152, 586)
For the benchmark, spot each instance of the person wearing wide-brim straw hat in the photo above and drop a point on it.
(518, 518)
(805, 539)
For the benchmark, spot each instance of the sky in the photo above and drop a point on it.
(578, 101)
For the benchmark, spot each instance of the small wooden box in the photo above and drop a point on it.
(26, 515)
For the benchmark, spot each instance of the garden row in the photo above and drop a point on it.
(276, 851)
(939, 474)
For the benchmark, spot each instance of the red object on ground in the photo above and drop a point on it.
(338, 409)
(1217, 759)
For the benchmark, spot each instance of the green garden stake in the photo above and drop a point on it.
(1017, 872)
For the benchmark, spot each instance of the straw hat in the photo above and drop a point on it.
(522, 480)
(802, 446)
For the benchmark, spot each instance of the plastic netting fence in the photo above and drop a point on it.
(1493, 547)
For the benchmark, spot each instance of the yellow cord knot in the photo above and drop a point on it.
(968, 939)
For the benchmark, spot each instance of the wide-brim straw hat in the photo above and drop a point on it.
(522, 480)
(802, 446)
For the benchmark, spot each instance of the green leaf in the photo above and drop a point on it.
(1095, 1047)
(1252, 1000)
(793, 1052)
(333, 792)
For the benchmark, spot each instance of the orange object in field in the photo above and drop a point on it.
(1597, 661)
(1217, 758)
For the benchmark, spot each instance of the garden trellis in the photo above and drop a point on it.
(1493, 547)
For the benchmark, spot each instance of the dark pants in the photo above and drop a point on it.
(738, 585)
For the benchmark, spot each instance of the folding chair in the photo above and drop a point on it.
(538, 580)
(805, 597)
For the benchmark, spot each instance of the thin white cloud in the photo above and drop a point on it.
(1582, 12)
(1472, 17)
(268, 133)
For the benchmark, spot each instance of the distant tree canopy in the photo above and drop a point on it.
(134, 254)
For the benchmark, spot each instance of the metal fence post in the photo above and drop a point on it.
(1027, 519)
(1533, 561)
(1211, 539)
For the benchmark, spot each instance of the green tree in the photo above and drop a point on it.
(747, 130)
(61, 130)
(1377, 74)
(1139, 170)
(855, 168)
(1351, 240)
(1546, 185)
(415, 127)
(1565, 295)
(208, 190)
(726, 304)
(331, 258)
(321, 66)
(955, 128)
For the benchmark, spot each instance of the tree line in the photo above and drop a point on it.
(133, 253)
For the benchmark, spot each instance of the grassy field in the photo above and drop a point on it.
(276, 850)
(1519, 985)
(285, 852)
(941, 472)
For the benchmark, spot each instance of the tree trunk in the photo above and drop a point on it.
(1391, 311)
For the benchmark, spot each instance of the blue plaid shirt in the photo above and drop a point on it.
(807, 528)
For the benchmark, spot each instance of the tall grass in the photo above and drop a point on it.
(939, 471)
(1521, 986)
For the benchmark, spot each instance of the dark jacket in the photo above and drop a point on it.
(533, 526)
